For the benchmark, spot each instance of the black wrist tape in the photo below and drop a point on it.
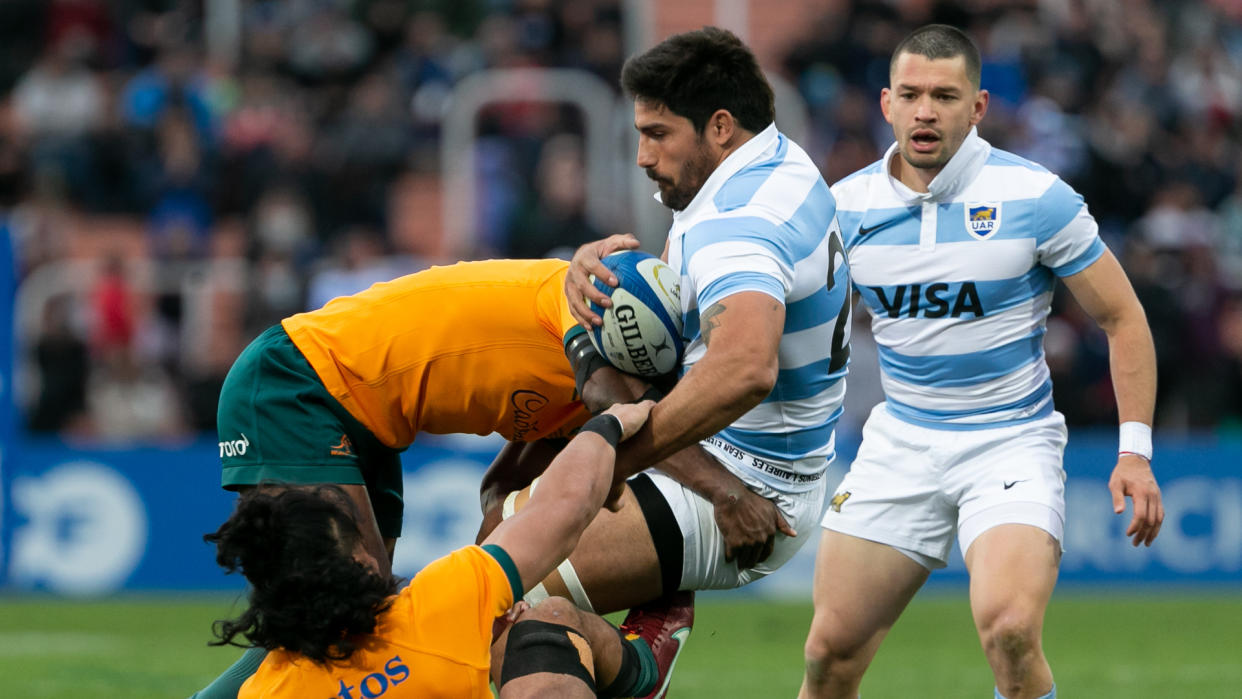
(606, 426)
(584, 359)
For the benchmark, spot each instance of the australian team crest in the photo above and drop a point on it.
(983, 218)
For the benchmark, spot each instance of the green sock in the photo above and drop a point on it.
(638, 672)
(229, 683)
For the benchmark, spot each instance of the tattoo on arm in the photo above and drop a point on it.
(709, 322)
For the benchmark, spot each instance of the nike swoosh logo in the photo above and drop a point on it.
(681, 635)
(871, 229)
(1010, 484)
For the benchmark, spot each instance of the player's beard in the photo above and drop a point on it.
(678, 194)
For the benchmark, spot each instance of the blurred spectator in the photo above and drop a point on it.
(1202, 159)
(13, 174)
(178, 187)
(358, 262)
(132, 401)
(1182, 233)
(1177, 219)
(552, 220)
(1230, 375)
(427, 64)
(38, 223)
(277, 291)
(266, 139)
(1122, 170)
(177, 192)
(327, 45)
(175, 80)
(63, 362)
(384, 20)
(20, 48)
(1077, 354)
(1154, 277)
(284, 225)
(361, 152)
(128, 397)
(60, 97)
(58, 102)
(282, 244)
(151, 27)
(114, 178)
(213, 331)
(426, 56)
(1229, 244)
(1049, 136)
(84, 22)
(1209, 83)
(848, 155)
(1002, 42)
(113, 322)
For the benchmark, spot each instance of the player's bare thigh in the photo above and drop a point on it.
(615, 560)
(1013, 569)
(861, 586)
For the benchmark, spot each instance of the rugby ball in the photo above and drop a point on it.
(641, 333)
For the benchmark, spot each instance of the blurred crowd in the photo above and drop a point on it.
(311, 156)
(174, 196)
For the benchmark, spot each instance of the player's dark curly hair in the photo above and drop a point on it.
(696, 73)
(308, 594)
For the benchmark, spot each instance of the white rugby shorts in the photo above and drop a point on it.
(914, 488)
(703, 552)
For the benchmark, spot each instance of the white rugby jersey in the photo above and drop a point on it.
(959, 281)
(765, 221)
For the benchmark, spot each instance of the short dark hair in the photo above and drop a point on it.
(935, 41)
(294, 544)
(696, 73)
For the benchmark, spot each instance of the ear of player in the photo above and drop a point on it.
(641, 333)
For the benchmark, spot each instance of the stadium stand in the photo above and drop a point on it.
(173, 187)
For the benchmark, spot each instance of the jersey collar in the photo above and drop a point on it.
(747, 153)
(960, 171)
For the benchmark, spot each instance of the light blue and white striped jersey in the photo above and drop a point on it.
(765, 221)
(959, 281)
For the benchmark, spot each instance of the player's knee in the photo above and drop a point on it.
(823, 659)
(1011, 637)
(817, 649)
(555, 610)
(832, 638)
(818, 669)
(830, 650)
(557, 650)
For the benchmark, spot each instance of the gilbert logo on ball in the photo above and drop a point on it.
(641, 333)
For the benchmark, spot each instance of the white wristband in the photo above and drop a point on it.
(1135, 439)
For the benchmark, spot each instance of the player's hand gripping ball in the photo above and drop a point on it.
(641, 333)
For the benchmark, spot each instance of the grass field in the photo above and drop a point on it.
(1123, 646)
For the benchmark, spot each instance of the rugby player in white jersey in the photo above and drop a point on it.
(764, 293)
(955, 247)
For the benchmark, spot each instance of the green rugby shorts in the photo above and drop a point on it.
(278, 422)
